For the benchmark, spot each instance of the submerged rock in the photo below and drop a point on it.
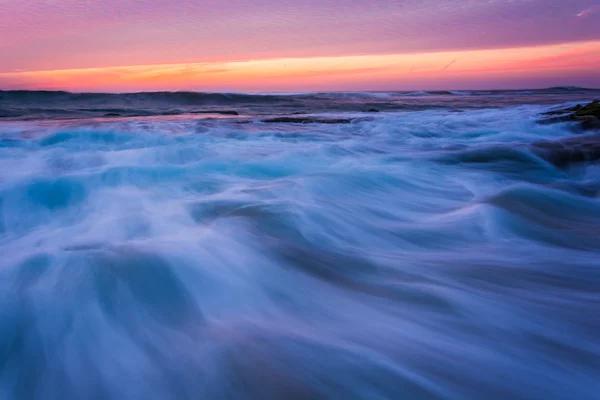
(574, 150)
(563, 111)
(581, 149)
(562, 153)
(307, 120)
(587, 116)
(171, 112)
(589, 123)
(221, 112)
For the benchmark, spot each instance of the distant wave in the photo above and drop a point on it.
(61, 104)
(419, 93)
(185, 98)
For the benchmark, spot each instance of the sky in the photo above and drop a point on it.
(298, 45)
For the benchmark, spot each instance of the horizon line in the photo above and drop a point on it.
(302, 92)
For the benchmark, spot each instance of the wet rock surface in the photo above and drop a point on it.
(563, 153)
(577, 149)
(587, 116)
(221, 112)
(306, 120)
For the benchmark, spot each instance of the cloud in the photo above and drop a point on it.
(588, 12)
(574, 63)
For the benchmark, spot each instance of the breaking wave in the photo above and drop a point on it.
(19, 104)
(411, 255)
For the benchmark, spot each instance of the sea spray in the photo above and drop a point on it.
(411, 255)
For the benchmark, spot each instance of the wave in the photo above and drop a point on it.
(418, 93)
(60, 104)
(184, 98)
(420, 254)
(552, 216)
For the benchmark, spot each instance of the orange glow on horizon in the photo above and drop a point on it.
(399, 71)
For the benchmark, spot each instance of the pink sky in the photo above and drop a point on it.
(298, 45)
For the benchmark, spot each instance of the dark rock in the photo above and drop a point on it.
(590, 110)
(306, 120)
(221, 112)
(372, 110)
(587, 117)
(566, 152)
(563, 110)
(563, 153)
(227, 112)
(589, 122)
(556, 120)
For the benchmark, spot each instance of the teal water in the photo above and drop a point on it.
(408, 255)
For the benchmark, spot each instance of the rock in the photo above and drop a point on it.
(590, 110)
(221, 112)
(587, 116)
(563, 110)
(562, 153)
(306, 120)
(566, 152)
(556, 120)
(227, 112)
(589, 122)
(373, 110)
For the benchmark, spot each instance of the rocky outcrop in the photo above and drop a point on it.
(306, 120)
(590, 110)
(566, 152)
(221, 112)
(574, 150)
(586, 116)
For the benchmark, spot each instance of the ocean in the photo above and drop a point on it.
(376, 245)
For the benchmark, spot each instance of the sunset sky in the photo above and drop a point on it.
(300, 45)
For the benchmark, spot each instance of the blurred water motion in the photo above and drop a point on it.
(200, 258)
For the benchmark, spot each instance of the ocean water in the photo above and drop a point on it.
(158, 246)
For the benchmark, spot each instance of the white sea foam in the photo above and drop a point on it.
(408, 255)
